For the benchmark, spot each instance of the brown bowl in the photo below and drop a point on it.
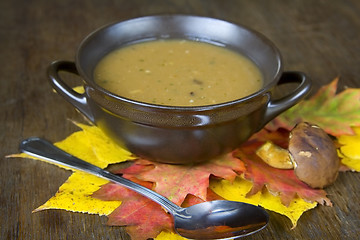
(180, 135)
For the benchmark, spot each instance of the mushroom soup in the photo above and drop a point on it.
(178, 73)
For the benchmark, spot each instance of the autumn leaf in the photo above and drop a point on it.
(75, 195)
(335, 113)
(104, 149)
(112, 191)
(293, 211)
(165, 235)
(191, 200)
(91, 145)
(177, 181)
(141, 217)
(349, 151)
(238, 189)
(184, 185)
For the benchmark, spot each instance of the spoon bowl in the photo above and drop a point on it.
(219, 219)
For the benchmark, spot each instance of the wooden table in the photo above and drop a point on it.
(320, 38)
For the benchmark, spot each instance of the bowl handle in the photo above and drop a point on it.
(277, 106)
(78, 100)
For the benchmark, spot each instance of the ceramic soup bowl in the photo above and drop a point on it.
(170, 134)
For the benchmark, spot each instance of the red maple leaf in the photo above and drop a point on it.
(142, 217)
(191, 200)
(177, 181)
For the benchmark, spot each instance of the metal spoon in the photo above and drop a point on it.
(218, 219)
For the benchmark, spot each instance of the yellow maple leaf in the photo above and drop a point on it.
(74, 195)
(294, 211)
(349, 152)
(237, 190)
(165, 235)
(93, 146)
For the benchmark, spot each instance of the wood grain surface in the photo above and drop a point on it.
(320, 38)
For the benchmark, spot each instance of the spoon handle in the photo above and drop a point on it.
(45, 150)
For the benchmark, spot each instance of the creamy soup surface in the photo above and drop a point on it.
(178, 73)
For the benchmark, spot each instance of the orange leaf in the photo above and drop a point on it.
(142, 217)
(177, 181)
(191, 200)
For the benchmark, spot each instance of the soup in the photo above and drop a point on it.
(178, 73)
